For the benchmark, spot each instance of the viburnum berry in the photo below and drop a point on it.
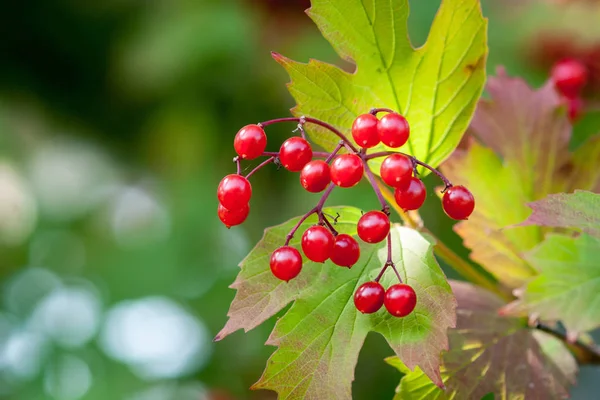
(369, 297)
(315, 176)
(458, 202)
(412, 196)
(295, 153)
(346, 170)
(364, 131)
(233, 217)
(234, 192)
(317, 243)
(373, 227)
(393, 130)
(250, 142)
(400, 300)
(396, 170)
(286, 263)
(569, 77)
(346, 251)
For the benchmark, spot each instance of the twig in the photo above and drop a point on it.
(259, 166)
(318, 209)
(586, 353)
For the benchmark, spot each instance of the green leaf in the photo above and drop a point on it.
(320, 336)
(576, 210)
(493, 354)
(435, 86)
(568, 287)
(517, 153)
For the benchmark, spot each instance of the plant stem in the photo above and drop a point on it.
(259, 166)
(316, 209)
(315, 121)
(335, 151)
(414, 160)
(323, 154)
(375, 111)
(384, 205)
(586, 353)
(236, 160)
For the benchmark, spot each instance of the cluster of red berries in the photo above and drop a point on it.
(570, 77)
(322, 242)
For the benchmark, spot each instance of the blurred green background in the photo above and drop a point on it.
(116, 124)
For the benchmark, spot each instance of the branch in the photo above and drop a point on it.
(585, 353)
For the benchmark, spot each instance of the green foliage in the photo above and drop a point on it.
(320, 336)
(435, 86)
(519, 154)
(493, 354)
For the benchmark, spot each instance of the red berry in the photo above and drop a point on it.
(400, 300)
(569, 76)
(412, 196)
(393, 130)
(396, 170)
(286, 263)
(369, 297)
(233, 217)
(315, 176)
(250, 142)
(458, 202)
(346, 251)
(373, 227)
(364, 131)
(574, 108)
(234, 192)
(295, 153)
(346, 170)
(317, 243)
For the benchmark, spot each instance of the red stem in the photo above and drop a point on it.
(259, 166)
(415, 161)
(316, 209)
(374, 111)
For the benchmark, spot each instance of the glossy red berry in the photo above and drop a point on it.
(368, 298)
(373, 227)
(315, 176)
(396, 170)
(250, 142)
(234, 192)
(574, 108)
(346, 170)
(400, 300)
(569, 77)
(286, 263)
(346, 251)
(458, 202)
(412, 196)
(233, 217)
(364, 131)
(393, 130)
(295, 153)
(317, 243)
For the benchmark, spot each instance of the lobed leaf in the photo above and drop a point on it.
(517, 153)
(320, 336)
(436, 86)
(576, 210)
(493, 354)
(568, 287)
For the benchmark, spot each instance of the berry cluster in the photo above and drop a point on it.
(322, 172)
(570, 77)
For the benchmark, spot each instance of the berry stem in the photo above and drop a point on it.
(318, 209)
(236, 160)
(375, 111)
(371, 178)
(324, 219)
(259, 166)
(334, 152)
(315, 121)
(320, 154)
(446, 181)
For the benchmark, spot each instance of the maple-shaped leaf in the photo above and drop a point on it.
(517, 153)
(579, 210)
(435, 87)
(320, 336)
(493, 354)
(568, 287)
